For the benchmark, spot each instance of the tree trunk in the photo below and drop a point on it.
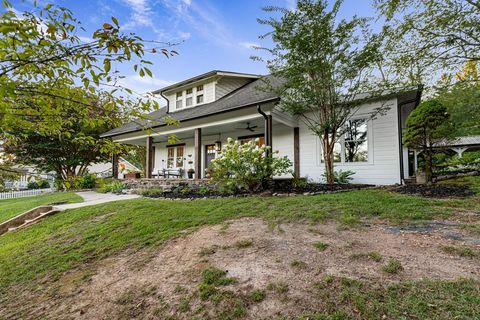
(328, 159)
(428, 166)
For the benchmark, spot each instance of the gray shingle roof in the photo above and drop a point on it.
(245, 96)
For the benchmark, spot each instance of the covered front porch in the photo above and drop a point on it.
(200, 141)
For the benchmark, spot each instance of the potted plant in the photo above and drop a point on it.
(132, 175)
(190, 170)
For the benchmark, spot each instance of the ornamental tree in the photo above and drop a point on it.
(424, 130)
(324, 64)
(68, 153)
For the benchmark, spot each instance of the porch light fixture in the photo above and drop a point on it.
(218, 146)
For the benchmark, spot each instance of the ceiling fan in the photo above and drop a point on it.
(249, 127)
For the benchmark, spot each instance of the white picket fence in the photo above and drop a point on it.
(23, 193)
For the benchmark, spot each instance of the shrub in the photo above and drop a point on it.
(32, 184)
(114, 186)
(245, 167)
(87, 181)
(341, 176)
(43, 184)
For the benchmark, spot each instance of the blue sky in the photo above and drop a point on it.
(215, 34)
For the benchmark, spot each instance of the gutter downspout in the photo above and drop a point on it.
(400, 129)
(268, 129)
(168, 101)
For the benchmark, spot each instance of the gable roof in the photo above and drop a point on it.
(205, 76)
(245, 96)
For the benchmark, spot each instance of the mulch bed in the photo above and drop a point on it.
(278, 188)
(436, 190)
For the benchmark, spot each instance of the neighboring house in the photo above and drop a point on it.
(30, 173)
(217, 105)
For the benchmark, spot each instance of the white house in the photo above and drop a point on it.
(219, 104)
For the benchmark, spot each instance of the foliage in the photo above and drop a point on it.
(246, 167)
(70, 152)
(114, 187)
(43, 56)
(87, 181)
(341, 176)
(461, 96)
(320, 65)
(38, 184)
(425, 36)
(423, 131)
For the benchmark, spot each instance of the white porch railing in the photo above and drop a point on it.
(23, 193)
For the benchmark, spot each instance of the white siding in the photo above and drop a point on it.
(228, 84)
(282, 141)
(383, 167)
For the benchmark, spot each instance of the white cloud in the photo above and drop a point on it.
(85, 39)
(204, 19)
(248, 45)
(142, 85)
(184, 35)
(141, 14)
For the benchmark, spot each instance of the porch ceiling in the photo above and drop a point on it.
(235, 127)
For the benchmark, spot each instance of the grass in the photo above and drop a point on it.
(459, 251)
(321, 246)
(343, 298)
(372, 255)
(11, 207)
(298, 264)
(245, 243)
(473, 182)
(393, 266)
(86, 235)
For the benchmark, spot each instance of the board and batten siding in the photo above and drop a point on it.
(228, 84)
(383, 167)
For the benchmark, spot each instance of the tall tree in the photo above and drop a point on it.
(461, 96)
(42, 57)
(324, 64)
(425, 36)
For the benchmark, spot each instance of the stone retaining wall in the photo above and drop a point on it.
(164, 184)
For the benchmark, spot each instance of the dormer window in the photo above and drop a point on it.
(199, 98)
(179, 101)
(200, 88)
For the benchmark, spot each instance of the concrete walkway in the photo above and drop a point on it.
(91, 198)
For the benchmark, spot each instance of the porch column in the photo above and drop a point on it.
(198, 153)
(296, 152)
(115, 166)
(149, 158)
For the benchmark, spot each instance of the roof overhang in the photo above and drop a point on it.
(205, 76)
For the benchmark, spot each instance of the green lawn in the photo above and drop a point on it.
(12, 207)
(85, 235)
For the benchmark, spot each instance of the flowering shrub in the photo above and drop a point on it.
(245, 167)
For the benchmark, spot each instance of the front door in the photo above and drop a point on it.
(210, 154)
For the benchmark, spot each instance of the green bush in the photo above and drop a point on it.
(245, 167)
(341, 176)
(38, 184)
(114, 186)
(32, 184)
(87, 181)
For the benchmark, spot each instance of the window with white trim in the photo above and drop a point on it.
(175, 156)
(352, 146)
(179, 100)
(199, 98)
(356, 141)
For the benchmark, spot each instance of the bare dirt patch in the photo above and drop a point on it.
(284, 261)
